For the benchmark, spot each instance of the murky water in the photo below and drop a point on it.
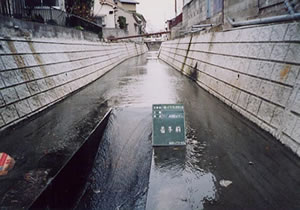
(119, 179)
(176, 182)
(221, 145)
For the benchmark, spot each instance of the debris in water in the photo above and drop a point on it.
(97, 191)
(225, 183)
(184, 199)
(6, 163)
(251, 163)
(29, 177)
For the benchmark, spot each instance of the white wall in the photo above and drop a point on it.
(103, 10)
(128, 7)
(255, 70)
(62, 5)
(129, 20)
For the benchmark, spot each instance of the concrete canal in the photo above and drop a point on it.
(221, 146)
(228, 162)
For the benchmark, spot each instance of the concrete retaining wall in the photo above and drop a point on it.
(38, 72)
(254, 70)
(114, 32)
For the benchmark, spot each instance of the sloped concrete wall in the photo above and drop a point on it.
(38, 72)
(254, 70)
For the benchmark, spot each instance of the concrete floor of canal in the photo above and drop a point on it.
(129, 174)
(221, 145)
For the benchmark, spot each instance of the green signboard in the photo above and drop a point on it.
(168, 124)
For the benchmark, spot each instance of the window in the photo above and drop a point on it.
(218, 6)
(208, 9)
(41, 3)
(49, 3)
(100, 20)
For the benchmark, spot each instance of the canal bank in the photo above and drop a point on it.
(253, 69)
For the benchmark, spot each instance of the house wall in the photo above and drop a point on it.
(62, 5)
(196, 11)
(129, 20)
(128, 7)
(113, 32)
(103, 10)
(38, 71)
(254, 70)
(249, 9)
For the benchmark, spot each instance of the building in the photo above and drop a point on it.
(140, 23)
(48, 10)
(129, 5)
(119, 15)
(45, 4)
(43, 11)
(174, 25)
(104, 13)
(202, 11)
(135, 22)
(178, 6)
(217, 12)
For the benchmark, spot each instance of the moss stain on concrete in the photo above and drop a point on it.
(187, 53)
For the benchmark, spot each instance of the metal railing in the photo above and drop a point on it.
(47, 15)
(11, 7)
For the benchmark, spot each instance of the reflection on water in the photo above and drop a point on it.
(177, 181)
(178, 178)
(150, 83)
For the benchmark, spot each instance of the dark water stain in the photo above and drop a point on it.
(194, 72)
(119, 179)
(37, 58)
(67, 187)
(19, 61)
(187, 52)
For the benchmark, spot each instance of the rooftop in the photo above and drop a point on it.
(129, 1)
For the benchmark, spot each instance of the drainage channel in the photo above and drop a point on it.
(228, 162)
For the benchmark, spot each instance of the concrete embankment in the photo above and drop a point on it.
(36, 72)
(39, 66)
(254, 70)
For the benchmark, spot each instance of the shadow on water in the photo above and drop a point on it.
(120, 175)
(66, 188)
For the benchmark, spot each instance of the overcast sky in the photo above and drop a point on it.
(157, 12)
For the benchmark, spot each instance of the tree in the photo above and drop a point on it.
(122, 22)
(81, 8)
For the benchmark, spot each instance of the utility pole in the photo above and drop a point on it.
(175, 8)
